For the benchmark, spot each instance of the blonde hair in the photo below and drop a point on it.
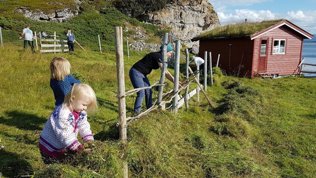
(59, 68)
(83, 90)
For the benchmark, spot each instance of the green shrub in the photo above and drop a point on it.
(136, 8)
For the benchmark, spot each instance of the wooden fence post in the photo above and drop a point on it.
(121, 94)
(211, 69)
(218, 57)
(54, 42)
(229, 55)
(36, 44)
(40, 38)
(205, 70)
(62, 45)
(1, 39)
(99, 43)
(187, 78)
(176, 76)
(127, 48)
(198, 80)
(163, 71)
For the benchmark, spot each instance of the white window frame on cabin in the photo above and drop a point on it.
(263, 48)
(278, 47)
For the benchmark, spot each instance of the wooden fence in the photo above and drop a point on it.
(53, 44)
(171, 99)
(308, 70)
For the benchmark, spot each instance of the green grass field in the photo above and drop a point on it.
(259, 127)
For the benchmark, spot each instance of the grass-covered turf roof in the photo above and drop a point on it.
(236, 30)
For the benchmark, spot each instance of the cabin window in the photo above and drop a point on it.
(278, 46)
(263, 48)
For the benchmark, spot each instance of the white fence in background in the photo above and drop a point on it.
(1, 41)
(53, 45)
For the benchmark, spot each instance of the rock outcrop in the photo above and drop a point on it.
(187, 18)
(57, 16)
(60, 15)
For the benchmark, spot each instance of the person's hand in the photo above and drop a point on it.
(89, 145)
(20, 37)
(78, 150)
(87, 150)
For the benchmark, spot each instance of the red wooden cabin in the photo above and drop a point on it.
(250, 49)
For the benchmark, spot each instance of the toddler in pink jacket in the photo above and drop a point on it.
(59, 136)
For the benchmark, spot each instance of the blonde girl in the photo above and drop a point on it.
(61, 80)
(59, 136)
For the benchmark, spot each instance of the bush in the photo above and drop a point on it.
(137, 8)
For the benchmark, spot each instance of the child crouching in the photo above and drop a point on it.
(59, 136)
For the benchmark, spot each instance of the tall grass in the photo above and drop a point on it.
(260, 127)
(237, 30)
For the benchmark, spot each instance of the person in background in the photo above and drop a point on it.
(58, 140)
(28, 36)
(61, 80)
(70, 40)
(44, 34)
(138, 76)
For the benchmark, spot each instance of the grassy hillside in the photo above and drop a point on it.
(259, 128)
(96, 18)
(7, 8)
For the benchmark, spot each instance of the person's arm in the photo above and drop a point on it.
(22, 35)
(167, 73)
(169, 76)
(73, 80)
(84, 128)
(65, 131)
(86, 133)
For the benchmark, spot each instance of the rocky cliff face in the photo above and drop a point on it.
(57, 16)
(187, 18)
(60, 15)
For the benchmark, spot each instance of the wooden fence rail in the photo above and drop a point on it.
(304, 71)
(53, 44)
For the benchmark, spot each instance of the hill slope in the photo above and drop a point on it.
(260, 127)
(96, 18)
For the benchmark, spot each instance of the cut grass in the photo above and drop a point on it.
(261, 128)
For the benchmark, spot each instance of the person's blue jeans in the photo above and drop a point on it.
(139, 80)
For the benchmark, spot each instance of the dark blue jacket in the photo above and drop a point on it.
(62, 87)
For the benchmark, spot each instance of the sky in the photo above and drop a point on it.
(300, 12)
